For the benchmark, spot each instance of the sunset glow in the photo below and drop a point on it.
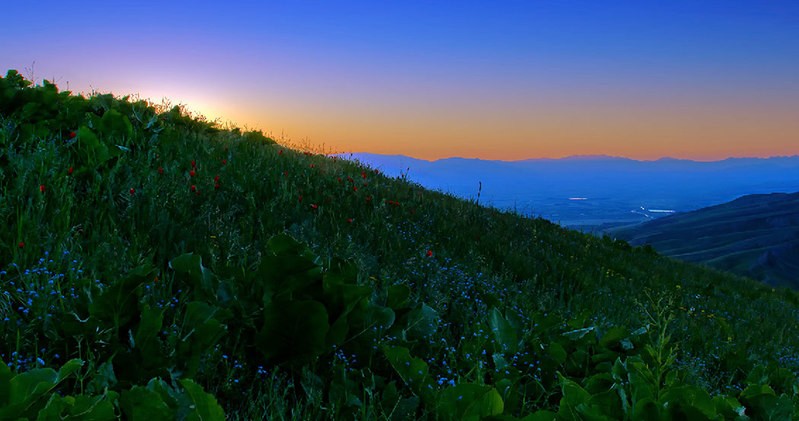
(510, 80)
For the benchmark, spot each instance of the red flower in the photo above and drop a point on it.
(192, 173)
(42, 188)
(193, 188)
(349, 220)
(363, 174)
(339, 179)
(193, 164)
(69, 171)
(224, 162)
(312, 165)
(72, 135)
(314, 206)
(132, 191)
(160, 170)
(21, 244)
(216, 179)
(354, 188)
(350, 179)
(216, 186)
(280, 152)
(429, 253)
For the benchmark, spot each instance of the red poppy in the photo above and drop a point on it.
(216, 179)
(193, 164)
(42, 188)
(314, 206)
(349, 220)
(193, 188)
(429, 253)
(312, 165)
(160, 170)
(132, 191)
(192, 173)
(350, 179)
(354, 188)
(72, 135)
(224, 162)
(339, 179)
(69, 171)
(363, 174)
(21, 244)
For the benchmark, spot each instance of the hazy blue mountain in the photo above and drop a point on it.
(755, 236)
(587, 191)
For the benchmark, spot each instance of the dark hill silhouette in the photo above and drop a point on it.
(755, 236)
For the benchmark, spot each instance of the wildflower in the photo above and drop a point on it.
(216, 186)
(193, 188)
(192, 173)
(72, 135)
(312, 165)
(42, 188)
(280, 152)
(349, 220)
(216, 179)
(160, 170)
(21, 244)
(132, 191)
(193, 164)
(314, 206)
(224, 162)
(363, 174)
(69, 171)
(354, 188)
(429, 253)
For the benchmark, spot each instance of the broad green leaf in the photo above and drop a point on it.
(398, 296)
(469, 402)
(118, 304)
(422, 322)
(688, 401)
(141, 404)
(505, 335)
(204, 406)
(413, 371)
(613, 337)
(293, 331)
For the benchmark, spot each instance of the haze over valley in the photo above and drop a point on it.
(587, 192)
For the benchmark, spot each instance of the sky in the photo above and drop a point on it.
(499, 79)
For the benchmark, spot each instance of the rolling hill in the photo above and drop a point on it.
(755, 236)
(155, 266)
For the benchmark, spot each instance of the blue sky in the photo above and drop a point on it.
(506, 79)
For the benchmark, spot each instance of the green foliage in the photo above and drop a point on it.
(188, 272)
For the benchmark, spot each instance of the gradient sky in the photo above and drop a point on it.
(495, 80)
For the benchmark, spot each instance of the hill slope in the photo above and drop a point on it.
(155, 265)
(755, 236)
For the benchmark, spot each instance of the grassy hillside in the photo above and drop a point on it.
(154, 265)
(755, 236)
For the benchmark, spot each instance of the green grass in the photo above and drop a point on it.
(152, 254)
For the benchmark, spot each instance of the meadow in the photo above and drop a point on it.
(154, 265)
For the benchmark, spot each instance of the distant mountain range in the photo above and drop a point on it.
(755, 236)
(589, 191)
